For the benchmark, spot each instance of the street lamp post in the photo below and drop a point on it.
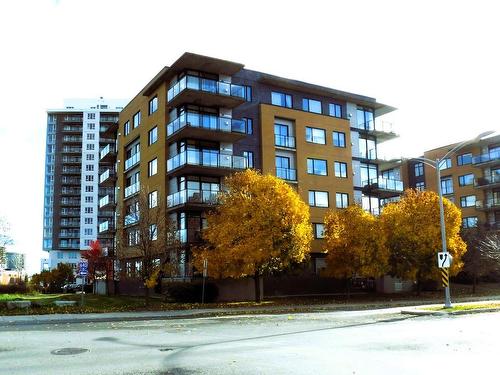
(436, 164)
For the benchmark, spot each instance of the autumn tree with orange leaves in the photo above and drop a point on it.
(413, 233)
(354, 244)
(260, 226)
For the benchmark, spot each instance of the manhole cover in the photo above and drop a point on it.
(69, 351)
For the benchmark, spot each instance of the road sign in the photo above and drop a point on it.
(444, 260)
(83, 268)
(445, 277)
(205, 267)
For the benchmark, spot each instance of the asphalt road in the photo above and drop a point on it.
(367, 342)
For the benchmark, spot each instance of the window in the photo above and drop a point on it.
(446, 185)
(89, 210)
(311, 105)
(445, 164)
(126, 128)
(248, 93)
(319, 230)
(335, 110)
(86, 242)
(90, 146)
(91, 116)
(136, 121)
(153, 199)
(88, 231)
(283, 171)
(317, 166)
(318, 198)
(152, 167)
(315, 135)
(90, 136)
(338, 139)
(90, 157)
(60, 255)
(341, 200)
(464, 159)
(133, 238)
(88, 220)
(153, 232)
(466, 179)
(91, 126)
(249, 156)
(365, 119)
(249, 125)
(89, 199)
(89, 189)
(89, 167)
(89, 178)
(153, 136)
(368, 172)
(73, 255)
(281, 136)
(469, 222)
(420, 186)
(340, 169)
(419, 169)
(367, 148)
(153, 105)
(468, 201)
(283, 100)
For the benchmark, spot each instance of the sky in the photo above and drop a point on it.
(436, 61)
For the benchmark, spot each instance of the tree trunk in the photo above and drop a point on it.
(147, 297)
(258, 292)
(474, 283)
(348, 287)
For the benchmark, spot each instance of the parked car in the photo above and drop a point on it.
(71, 288)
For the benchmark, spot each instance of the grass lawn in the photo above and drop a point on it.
(474, 306)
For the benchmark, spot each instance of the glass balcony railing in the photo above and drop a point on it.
(385, 184)
(206, 121)
(133, 160)
(108, 149)
(489, 203)
(192, 196)
(71, 170)
(73, 150)
(73, 119)
(284, 141)
(206, 85)
(71, 159)
(70, 223)
(70, 138)
(188, 236)
(380, 126)
(69, 245)
(105, 175)
(487, 180)
(206, 159)
(108, 119)
(104, 201)
(132, 189)
(131, 219)
(75, 234)
(485, 158)
(105, 226)
(286, 174)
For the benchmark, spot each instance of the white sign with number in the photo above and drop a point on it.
(444, 260)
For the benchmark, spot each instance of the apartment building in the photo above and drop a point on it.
(203, 118)
(80, 147)
(470, 178)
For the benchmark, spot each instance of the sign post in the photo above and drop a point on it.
(205, 268)
(83, 267)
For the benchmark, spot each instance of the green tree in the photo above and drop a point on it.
(355, 245)
(413, 232)
(261, 225)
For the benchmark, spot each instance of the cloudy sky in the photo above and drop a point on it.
(436, 61)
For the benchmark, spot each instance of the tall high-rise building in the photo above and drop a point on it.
(80, 138)
(203, 118)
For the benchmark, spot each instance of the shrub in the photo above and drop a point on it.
(191, 292)
(14, 288)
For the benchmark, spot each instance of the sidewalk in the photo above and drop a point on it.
(406, 305)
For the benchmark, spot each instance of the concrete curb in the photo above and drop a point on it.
(419, 312)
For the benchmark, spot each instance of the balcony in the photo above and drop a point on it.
(490, 159)
(107, 178)
(207, 127)
(72, 129)
(106, 201)
(107, 153)
(212, 163)
(191, 236)
(488, 205)
(133, 160)
(107, 213)
(75, 234)
(284, 141)
(131, 219)
(70, 212)
(105, 226)
(109, 119)
(72, 150)
(69, 245)
(286, 174)
(193, 198)
(132, 189)
(72, 139)
(70, 191)
(72, 159)
(73, 119)
(70, 181)
(70, 223)
(383, 187)
(70, 201)
(205, 92)
(487, 182)
(383, 130)
(71, 170)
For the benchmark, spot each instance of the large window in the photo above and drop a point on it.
(153, 136)
(365, 119)
(368, 172)
(367, 148)
(249, 156)
(318, 198)
(317, 166)
(341, 200)
(335, 110)
(153, 167)
(468, 201)
(136, 121)
(283, 168)
(466, 179)
(419, 169)
(281, 99)
(153, 105)
(153, 199)
(315, 135)
(340, 169)
(311, 105)
(469, 222)
(153, 232)
(338, 139)
(464, 159)
(420, 186)
(447, 185)
(126, 128)
(282, 137)
(445, 164)
(319, 230)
